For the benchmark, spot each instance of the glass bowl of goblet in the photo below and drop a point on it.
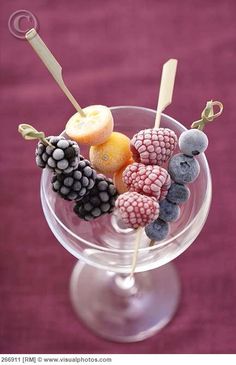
(111, 302)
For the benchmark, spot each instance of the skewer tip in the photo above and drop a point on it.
(30, 34)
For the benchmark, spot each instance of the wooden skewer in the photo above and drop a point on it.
(136, 248)
(166, 88)
(164, 99)
(52, 65)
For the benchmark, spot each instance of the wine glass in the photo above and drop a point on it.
(108, 300)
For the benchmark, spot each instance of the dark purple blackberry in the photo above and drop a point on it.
(62, 156)
(77, 184)
(100, 200)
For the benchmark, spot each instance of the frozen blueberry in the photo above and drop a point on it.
(169, 212)
(157, 230)
(183, 169)
(178, 193)
(193, 142)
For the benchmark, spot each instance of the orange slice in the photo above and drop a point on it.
(93, 129)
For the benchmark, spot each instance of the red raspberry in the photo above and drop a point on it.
(153, 146)
(147, 179)
(137, 210)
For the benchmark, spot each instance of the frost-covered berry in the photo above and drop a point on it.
(169, 212)
(178, 193)
(78, 183)
(193, 142)
(137, 210)
(153, 146)
(147, 179)
(99, 200)
(157, 230)
(183, 169)
(61, 156)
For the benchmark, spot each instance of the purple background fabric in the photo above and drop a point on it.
(112, 53)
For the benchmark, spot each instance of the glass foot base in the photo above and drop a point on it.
(120, 312)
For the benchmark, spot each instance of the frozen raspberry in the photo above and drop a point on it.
(147, 179)
(137, 210)
(153, 146)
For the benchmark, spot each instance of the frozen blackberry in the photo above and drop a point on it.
(61, 155)
(100, 199)
(77, 184)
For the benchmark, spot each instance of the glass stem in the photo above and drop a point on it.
(125, 285)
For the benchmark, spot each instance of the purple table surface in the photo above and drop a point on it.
(112, 53)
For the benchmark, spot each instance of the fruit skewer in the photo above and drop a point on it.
(164, 99)
(74, 178)
(183, 169)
